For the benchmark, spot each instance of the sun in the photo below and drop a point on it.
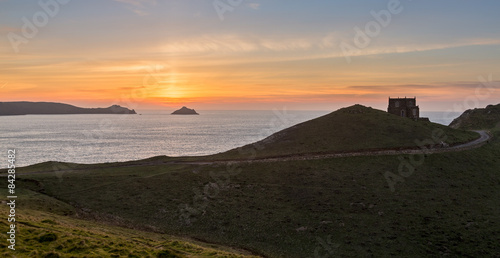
(171, 90)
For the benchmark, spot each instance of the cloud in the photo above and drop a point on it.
(254, 6)
(138, 6)
(138, 3)
(302, 46)
(399, 48)
(7, 29)
(139, 12)
(236, 43)
(432, 90)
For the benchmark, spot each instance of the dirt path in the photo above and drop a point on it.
(484, 137)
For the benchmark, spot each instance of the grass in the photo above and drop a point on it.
(479, 118)
(448, 206)
(340, 206)
(348, 129)
(43, 233)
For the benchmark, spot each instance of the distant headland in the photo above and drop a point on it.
(185, 111)
(52, 108)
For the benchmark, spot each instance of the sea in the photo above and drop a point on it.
(100, 138)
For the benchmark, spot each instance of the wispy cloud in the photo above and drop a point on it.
(236, 43)
(139, 7)
(254, 6)
(6, 29)
(399, 48)
(304, 47)
(139, 3)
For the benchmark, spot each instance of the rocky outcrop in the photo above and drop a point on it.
(51, 108)
(478, 118)
(185, 111)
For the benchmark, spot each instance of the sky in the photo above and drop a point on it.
(250, 54)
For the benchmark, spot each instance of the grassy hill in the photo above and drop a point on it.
(447, 206)
(478, 118)
(31, 108)
(444, 204)
(46, 229)
(349, 129)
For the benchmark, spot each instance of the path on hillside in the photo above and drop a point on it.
(484, 137)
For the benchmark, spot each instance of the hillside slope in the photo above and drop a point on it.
(50, 108)
(444, 204)
(350, 129)
(478, 118)
(43, 231)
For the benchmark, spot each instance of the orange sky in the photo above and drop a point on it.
(156, 55)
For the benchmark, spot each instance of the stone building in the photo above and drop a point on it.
(405, 107)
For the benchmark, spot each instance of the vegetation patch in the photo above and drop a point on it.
(445, 206)
(478, 118)
(354, 128)
(52, 235)
(49, 237)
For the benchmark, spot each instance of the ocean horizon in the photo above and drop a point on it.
(101, 138)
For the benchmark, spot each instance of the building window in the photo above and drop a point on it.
(397, 103)
(402, 113)
(414, 112)
(410, 103)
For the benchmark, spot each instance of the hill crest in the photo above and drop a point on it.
(53, 108)
(478, 118)
(354, 128)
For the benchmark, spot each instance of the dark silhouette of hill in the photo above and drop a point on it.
(51, 108)
(478, 118)
(185, 111)
(352, 128)
(441, 203)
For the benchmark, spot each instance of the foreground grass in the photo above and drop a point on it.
(337, 207)
(44, 232)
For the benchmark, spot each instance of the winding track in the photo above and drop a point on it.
(484, 137)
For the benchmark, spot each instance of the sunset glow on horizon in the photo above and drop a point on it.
(153, 54)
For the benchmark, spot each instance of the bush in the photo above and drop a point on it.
(51, 255)
(166, 254)
(48, 221)
(50, 237)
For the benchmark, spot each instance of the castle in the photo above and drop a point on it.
(405, 107)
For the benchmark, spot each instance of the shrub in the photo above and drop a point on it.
(49, 237)
(51, 255)
(166, 254)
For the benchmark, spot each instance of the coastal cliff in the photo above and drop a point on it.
(51, 108)
(185, 111)
(478, 118)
